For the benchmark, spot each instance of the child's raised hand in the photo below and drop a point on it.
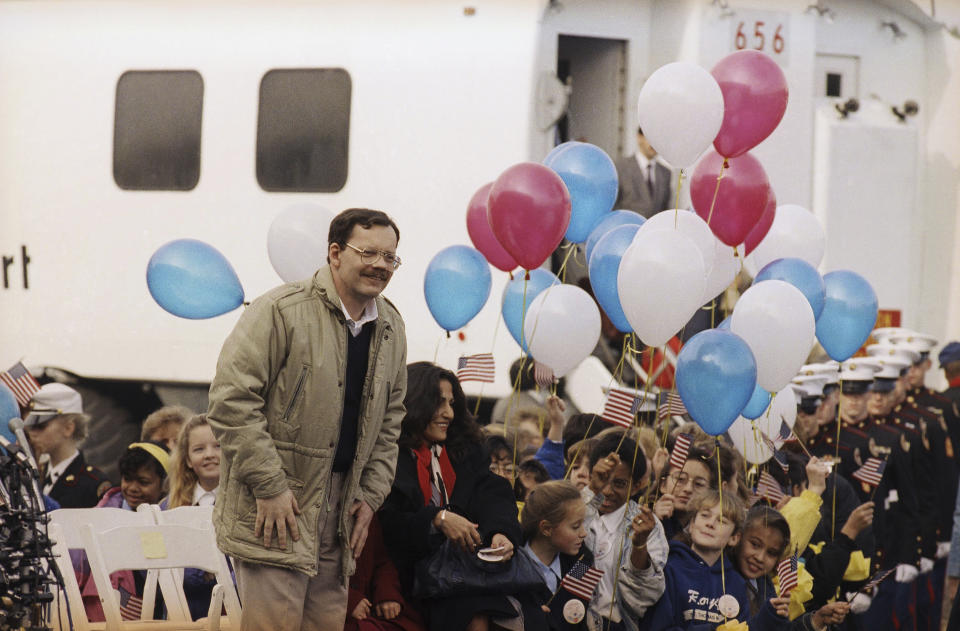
(641, 526)
(362, 610)
(388, 609)
(817, 476)
(555, 409)
(782, 606)
(664, 506)
(660, 458)
(601, 471)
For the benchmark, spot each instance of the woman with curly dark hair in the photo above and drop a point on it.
(444, 490)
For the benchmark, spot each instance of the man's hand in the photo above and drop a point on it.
(362, 610)
(501, 541)
(278, 512)
(459, 530)
(860, 518)
(362, 514)
(601, 471)
(832, 613)
(388, 609)
(817, 476)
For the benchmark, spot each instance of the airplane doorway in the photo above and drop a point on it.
(595, 70)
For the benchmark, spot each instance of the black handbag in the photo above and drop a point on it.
(452, 572)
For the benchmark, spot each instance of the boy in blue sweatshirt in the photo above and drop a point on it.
(698, 575)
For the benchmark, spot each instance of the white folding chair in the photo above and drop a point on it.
(202, 517)
(155, 547)
(65, 529)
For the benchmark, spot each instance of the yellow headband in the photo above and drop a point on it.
(157, 452)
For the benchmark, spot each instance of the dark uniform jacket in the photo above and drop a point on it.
(80, 486)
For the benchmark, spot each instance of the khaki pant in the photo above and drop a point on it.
(277, 599)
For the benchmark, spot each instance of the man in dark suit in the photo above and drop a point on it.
(644, 181)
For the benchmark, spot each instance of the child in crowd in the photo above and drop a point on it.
(164, 425)
(194, 480)
(579, 463)
(766, 535)
(554, 529)
(679, 486)
(530, 474)
(632, 565)
(375, 599)
(143, 478)
(701, 580)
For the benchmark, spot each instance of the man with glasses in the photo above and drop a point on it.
(307, 404)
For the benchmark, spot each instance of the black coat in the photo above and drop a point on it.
(80, 486)
(479, 495)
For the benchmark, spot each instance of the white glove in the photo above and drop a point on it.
(906, 573)
(943, 549)
(925, 565)
(860, 602)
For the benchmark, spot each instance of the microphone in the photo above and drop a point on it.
(14, 450)
(16, 426)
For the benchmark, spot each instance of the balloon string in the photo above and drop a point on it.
(576, 455)
(716, 190)
(836, 457)
(436, 350)
(723, 574)
(493, 345)
(676, 199)
(623, 522)
(562, 272)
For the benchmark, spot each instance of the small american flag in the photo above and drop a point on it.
(871, 472)
(778, 456)
(543, 375)
(670, 405)
(582, 580)
(476, 368)
(769, 488)
(787, 571)
(131, 605)
(21, 382)
(681, 448)
(786, 433)
(620, 407)
(877, 579)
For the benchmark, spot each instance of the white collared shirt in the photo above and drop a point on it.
(369, 314)
(54, 473)
(204, 498)
(550, 573)
(607, 530)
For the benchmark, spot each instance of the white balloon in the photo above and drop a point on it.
(690, 224)
(680, 110)
(297, 241)
(748, 441)
(795, 233)
(776, 321)
(562, 327)
(747, 435)
(726, 264)
(660, 282)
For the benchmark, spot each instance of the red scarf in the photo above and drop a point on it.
(422, 454)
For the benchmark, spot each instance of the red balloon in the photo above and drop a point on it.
(740, 198)
(529, 211)
(755, 236)
(754, 99)
(482, 235)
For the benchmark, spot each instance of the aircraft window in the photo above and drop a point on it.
(156, 133)
(303, 130)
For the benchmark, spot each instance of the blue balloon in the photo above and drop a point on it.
(716, 375)
(191, 279)
(801, 275)
(725, 324)
(757, 404)
(603, 267)
(613, 220)
(456, 285)
(514, 305)
(849, 314)
(9, 409)
(591, 178)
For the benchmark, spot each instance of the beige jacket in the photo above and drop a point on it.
(275, 406)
